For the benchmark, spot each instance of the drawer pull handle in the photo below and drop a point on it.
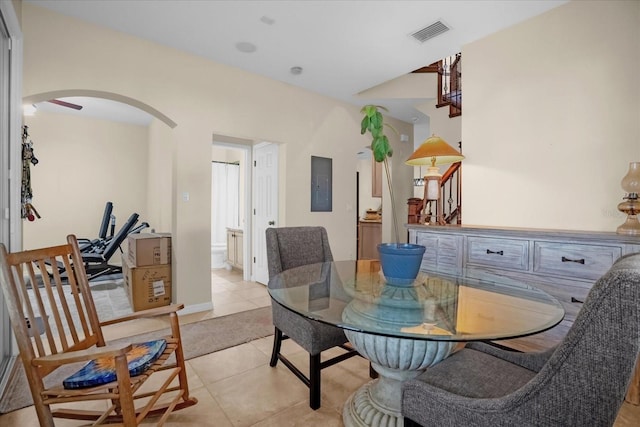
(576, 300)
(579, 261)
(495, 252)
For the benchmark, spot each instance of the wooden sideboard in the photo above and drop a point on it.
(563, 263)
(369, 237)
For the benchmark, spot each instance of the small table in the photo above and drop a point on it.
(404, 330)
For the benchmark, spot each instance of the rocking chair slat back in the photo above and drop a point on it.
(53, 311)
(56, 325)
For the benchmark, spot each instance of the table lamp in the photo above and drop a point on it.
(434, 151)
(631, 206)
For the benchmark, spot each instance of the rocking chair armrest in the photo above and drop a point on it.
(82, 355)
(152, 312)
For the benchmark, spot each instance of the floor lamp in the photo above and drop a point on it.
(434, 151)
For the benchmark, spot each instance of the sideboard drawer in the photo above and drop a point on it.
(442, 252)
(571, 295)
(574, 260)
(450, 253)
(430, 256)
(494, 252)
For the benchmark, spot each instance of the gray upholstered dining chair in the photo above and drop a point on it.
(289, 247)
(581, 382)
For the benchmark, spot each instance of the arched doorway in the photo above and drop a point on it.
(93, 155)
(88, 160)
(45, 96)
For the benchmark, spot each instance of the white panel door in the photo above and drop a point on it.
(265, 204)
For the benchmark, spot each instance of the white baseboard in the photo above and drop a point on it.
(196, 308)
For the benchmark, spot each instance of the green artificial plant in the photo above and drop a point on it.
(373, 122)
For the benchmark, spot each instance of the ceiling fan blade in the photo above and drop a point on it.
(65, 104)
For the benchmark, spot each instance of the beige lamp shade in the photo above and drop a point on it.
(631, 181)
(434, 151)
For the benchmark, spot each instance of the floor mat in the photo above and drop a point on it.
(198, 338)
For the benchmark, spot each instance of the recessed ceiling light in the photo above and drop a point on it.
(246, 47)
(296, 70)
(267, 20)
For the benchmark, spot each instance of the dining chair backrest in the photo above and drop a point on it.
(582, 382)
(595, 360)
(290, 247)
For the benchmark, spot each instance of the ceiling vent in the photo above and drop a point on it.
(430, 31)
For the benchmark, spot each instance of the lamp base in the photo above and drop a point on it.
(631, 226)
(631, 207)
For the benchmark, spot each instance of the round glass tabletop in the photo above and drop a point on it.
(354, 295)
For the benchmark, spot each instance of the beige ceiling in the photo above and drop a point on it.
(343, 47)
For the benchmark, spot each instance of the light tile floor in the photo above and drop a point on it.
(236, 387)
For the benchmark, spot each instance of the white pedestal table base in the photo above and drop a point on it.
(378, 403)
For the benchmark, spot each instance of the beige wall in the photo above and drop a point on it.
(160, 177)
(17, 6)
(551, 118)
(83, 163)
(229, 155)
(367, 201)
(205, 98)
(550, 123)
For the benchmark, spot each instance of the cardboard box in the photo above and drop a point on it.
(147, 287)
(147, 249)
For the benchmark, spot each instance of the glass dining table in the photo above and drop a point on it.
(403, 330)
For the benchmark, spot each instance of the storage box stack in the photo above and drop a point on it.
(147, 270)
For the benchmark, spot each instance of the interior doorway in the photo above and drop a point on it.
(230, 206)
(256, 183)
(257, 200)
(369, 203)
(225, 210)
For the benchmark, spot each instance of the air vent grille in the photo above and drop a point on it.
(430, 31)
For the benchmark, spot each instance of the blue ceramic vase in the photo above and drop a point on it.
(400, 262)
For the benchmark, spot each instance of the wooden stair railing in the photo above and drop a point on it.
(450, 203)
(451, 191)
(449, 94)
(450, 84)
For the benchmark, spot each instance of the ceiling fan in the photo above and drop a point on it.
(65, 104)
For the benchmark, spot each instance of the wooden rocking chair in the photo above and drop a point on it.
(57, 325)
